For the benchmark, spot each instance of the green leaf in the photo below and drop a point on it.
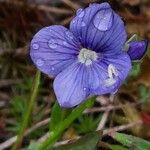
(55, 115)
(132, 141)
(87, 123)
(88, 142)
(136, 70)
(117, 147)
(144, 93)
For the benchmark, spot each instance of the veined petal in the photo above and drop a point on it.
(99, 28)
(70, 85)
(111, 72)
(137, 49)
(53, 49)
(73, 85)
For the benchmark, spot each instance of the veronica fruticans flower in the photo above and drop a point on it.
(88, 59)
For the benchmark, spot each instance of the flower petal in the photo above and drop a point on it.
(137, 49)
(121, 63)
(99, 28)
(53, 49)
(70, 85)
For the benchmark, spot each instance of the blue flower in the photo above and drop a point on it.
(86, 60)
(137, 49)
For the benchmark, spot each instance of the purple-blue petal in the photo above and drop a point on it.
(73, 85)
(121, 62)
(99, 28)
(137, 49)
(53, 49)
(70, 86)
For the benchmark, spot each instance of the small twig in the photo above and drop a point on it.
(12, 140)
(66, 21)
(107, 131)
(101, 109)
(121, 128)
(110, 107)
(8, 82)
(39, 7)
(71, 4)
(103, 120)
(52, 9)
(38, 125)
(43, 138)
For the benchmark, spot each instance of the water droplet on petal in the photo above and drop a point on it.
(83, 24)
(65, 43)
(103, 19)
(53, 68)
(84, 88)
(69, 34)
(80, 13)
(52, 43)
(40, 62)
(35, 46)
(73, 21)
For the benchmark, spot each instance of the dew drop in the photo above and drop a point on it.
(50, 30)
(65, 43)
(52, 43)
(35, 46)
(103, 20)
(83, 24)
(73, 21)
(69, 34)
(53, 68)
(40, 62)
(80, 13)
(84, 88)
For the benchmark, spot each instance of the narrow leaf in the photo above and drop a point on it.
(132, 141)
(55, 116)
(117, 147)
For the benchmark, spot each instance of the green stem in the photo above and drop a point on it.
(133, 37)
(54, 135)
(28, 112)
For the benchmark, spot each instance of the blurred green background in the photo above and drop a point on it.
(19, 21)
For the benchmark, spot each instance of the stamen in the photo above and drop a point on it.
(109, 82)
(112, 72)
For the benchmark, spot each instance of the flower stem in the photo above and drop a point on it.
(28, 112)
(56, 133)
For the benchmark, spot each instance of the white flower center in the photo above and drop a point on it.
(87, 56)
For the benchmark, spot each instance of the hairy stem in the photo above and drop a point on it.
(56, 133)
(28, 112)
